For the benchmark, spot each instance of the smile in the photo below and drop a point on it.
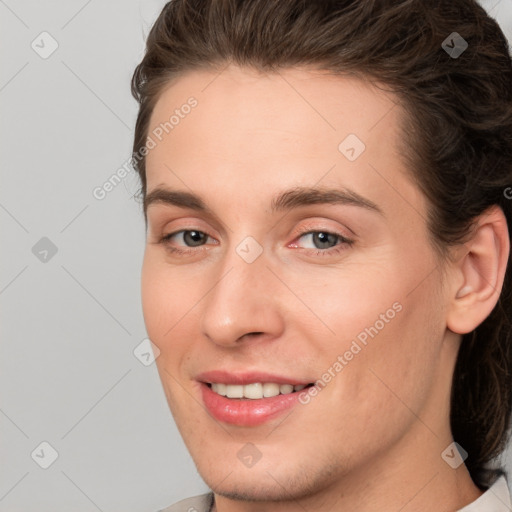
(255, 390)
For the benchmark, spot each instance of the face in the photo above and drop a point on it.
(303, 259)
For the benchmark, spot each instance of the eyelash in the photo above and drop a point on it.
(344, 242)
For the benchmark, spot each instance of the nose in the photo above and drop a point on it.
(243, 303)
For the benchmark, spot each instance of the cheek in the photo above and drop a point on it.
(346, 301)
(152, 292)
(396, 369)
(169, 304)
(166, 294)
(160, 295)
(386, 328)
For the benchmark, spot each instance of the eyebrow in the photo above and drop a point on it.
(287, 200)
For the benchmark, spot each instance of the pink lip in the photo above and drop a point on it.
(246, 412)
(226, 377)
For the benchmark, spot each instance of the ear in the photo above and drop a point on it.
(479, 271)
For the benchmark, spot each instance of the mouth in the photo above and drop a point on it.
(249, 399)
(255, 390)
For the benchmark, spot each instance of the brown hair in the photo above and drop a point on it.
(457, 134)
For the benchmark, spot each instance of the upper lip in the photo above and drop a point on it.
(239, 377)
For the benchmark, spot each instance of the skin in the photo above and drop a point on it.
(372, 438)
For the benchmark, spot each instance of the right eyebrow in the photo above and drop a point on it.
(178, 198)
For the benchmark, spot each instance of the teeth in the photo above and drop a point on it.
(220, 388)
(254, 391)
(234, 391)
(286, 389)
(270, 390)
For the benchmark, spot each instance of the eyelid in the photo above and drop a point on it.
(168, 236)
(162, 222)
(343, 239)
(304, 229)
(320, 226)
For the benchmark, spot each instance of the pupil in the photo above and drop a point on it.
(322, 239)
(194, 237)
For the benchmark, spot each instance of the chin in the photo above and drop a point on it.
(260, 488)
(266, 481)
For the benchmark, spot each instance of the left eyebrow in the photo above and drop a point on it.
(286, 200)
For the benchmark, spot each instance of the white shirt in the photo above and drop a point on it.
(495, 499)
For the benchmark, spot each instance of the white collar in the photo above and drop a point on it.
(494, 499)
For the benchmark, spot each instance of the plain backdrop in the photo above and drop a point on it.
(71, 321)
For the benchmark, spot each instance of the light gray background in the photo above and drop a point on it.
(70, 324)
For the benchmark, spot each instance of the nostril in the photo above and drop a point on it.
(250, 334)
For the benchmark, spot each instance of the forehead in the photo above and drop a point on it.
(310, 106)
(260, 130)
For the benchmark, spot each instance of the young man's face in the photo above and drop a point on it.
(258, 298)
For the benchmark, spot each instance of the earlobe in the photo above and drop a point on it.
(480, 272)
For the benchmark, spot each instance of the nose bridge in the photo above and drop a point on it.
(242, 299)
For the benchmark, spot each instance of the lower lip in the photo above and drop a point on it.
(246, 412)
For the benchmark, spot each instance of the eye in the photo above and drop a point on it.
(192, 240)
(324, 243)
(190, 237)
(321, 239)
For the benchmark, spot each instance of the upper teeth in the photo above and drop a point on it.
(255, 390)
